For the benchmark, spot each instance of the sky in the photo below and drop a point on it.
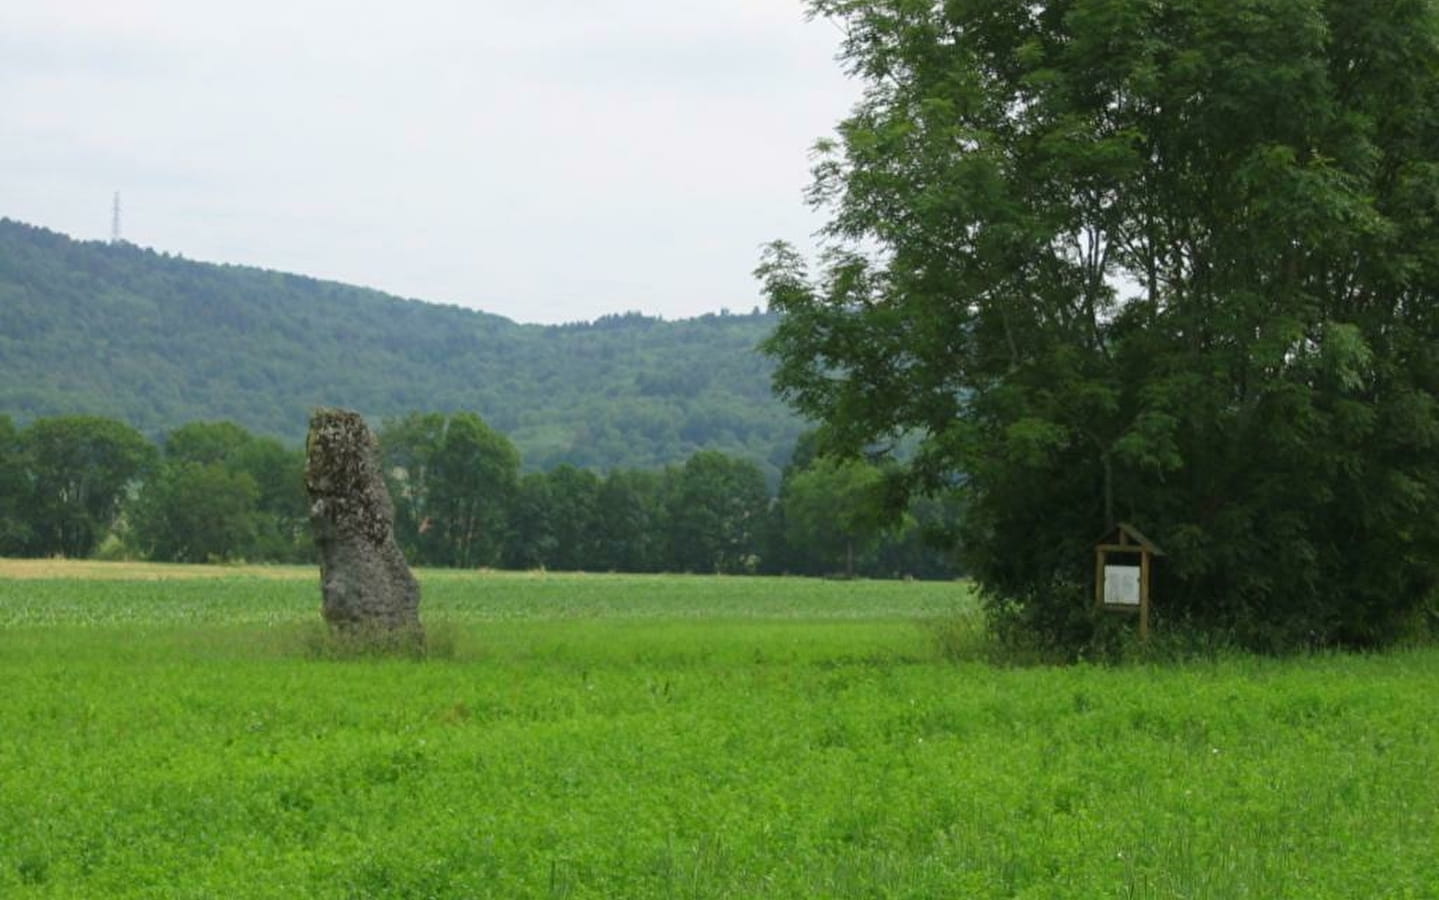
(547, 161)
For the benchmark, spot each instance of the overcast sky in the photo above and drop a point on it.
(547, 161)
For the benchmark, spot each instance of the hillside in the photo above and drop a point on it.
(158, 340)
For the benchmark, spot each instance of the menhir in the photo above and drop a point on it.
(367, 586)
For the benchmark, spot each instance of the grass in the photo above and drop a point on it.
(169, 732)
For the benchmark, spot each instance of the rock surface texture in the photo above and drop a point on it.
(367, 586)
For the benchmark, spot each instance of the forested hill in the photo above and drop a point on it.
(157, 340)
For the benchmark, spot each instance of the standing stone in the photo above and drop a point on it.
(368, 589)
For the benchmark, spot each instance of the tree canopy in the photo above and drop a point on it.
(1170, 262)
(75, 471)
(221, 493)
(835, 507)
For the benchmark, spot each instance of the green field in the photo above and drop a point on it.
(193, 735)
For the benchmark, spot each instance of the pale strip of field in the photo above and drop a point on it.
(96, 570)
(107, 570)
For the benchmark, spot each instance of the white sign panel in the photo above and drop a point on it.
(1121, 585)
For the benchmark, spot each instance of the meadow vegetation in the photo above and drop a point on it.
(191, 732)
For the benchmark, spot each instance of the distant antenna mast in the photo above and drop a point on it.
(115, 221)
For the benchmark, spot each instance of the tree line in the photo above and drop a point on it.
(82, 486)
(157, 341)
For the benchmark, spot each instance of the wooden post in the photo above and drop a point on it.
(1099, 578)
(1144, 597)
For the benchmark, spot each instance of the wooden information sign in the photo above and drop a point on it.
(1123, 559)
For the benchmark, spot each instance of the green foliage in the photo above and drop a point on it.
(408, 447)
(827, 507)
(453, 480)
(571, 519)
(532, 538)
(925, 542)
(717, 510)
(597, 736)
(206, 443)
(158, 341)
(473, 475)
(1171, 263)
(631, 519)
(195, 512)
(222, 494)
(836, 508)
(14, 491)
(77, 470)
(574, 517)
(282, 526)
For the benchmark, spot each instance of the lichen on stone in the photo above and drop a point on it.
(365, 582)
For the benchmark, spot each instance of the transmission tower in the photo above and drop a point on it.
(115, 221)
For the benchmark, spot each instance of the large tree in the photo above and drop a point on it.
(716, 512)
(553, 520)
(835, 508)
(408, 446)
(530, 538)
(1173, 262)
(222, 493)
(196, 512)
(630, 517)
(14, 491)
(453, 480)
(283, 521)
(574, 517)
(79, 472)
